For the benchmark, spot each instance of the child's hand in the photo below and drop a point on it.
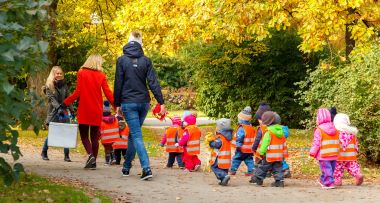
(176, 144)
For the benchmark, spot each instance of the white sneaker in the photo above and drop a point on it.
(197, 167)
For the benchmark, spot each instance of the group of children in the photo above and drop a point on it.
(263, 149)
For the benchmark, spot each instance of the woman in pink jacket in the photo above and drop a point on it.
(325, 147)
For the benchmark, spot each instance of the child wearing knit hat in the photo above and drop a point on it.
(263, 107)
(243, 139)
(172, 134)
(190, 140)
(272, 151)
(348, 150)
(221, 155)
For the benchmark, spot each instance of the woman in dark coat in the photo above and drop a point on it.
(56, 91)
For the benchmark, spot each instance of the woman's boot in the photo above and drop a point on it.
(44, 156)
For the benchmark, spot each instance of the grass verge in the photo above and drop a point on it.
(34, 188)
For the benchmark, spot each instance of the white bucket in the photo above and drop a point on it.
(62, 135)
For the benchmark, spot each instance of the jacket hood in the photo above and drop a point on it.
(328, 128)
(133, 50)
(323, 116)
(226, 133)
(108, 119)
(276, 130)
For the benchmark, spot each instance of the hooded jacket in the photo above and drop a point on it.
(277, 130)
(324, 123)
(217, 143)
(133, 70)
(240, 133)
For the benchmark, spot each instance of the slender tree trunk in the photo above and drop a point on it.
(350, 43)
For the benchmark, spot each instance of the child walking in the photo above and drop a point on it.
(271, 152)
(171, 137)
(244, 137)
(191, 142)
(347, 158)
(120, 145)
(221, 155)
(109, 132)
(325, 147)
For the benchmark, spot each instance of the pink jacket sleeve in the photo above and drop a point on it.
(163, 140)
(184, 139)
(316, 143)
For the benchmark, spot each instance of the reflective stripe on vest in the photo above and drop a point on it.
(120, 144)
(348, 153)
(223, 154)
(277, 149)
(109, 132)
(329, 144)
(193, 144)
(171, 139)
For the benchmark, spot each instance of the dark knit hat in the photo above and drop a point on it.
(264, 107)
(268, 118)
(277, 119)
(245, 114)
(333, 112)
(223, 124)
(106, 108)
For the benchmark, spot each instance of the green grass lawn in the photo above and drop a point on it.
(34, 188)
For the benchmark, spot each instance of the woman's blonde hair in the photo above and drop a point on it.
(50, 80)
(94, 61)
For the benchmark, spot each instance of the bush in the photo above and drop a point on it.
(354, 89)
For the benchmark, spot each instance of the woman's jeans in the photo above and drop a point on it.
(45, 147)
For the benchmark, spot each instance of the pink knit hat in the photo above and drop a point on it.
(190, 119)
(176, 120)
(323, 116)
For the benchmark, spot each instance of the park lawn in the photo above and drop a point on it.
(34, 188)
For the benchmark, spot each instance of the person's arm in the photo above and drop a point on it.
(163, 140)
(217, 144)
(240, 134)
(71, 108)
(74, 96)
(259, 135)
(185, 137)
(107, 91)
(264, 144)
(52, 99)
(154, 85)
(118, 84)
(286, 131)
(316, 143)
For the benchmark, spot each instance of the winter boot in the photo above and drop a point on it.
(44, 156)
(278, 183)
(67, 158)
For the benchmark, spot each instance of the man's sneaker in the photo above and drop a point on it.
(197, 167)
(225, 180)
(232, 172)
(90, 161)
(278, 183)
(146, 175)
(125, 172)
(287, 173)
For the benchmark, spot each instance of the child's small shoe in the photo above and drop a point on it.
(328, 187)
(181, 167)
(232, 172)
(186, 170)
(249, 174)
(338, 183)
(287, 173)
(359, 180)
(166, 167)
(278, 183)
(225, 180)
(197, 167)
(256, 181)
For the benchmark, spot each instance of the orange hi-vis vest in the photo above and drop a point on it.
(171, 133)
(249, 138)
(223, 154)
(329, 144)
(264, 129)
(349, 153)
(194, 142)
(109, 132)
(122, 141)
(277, 149)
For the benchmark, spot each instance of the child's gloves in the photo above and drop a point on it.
(176, 144)
(162, 145)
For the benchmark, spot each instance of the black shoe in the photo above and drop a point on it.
(44, 156)
(67, 158)
(225, 180)
(93, 166)
(125, 172)
(256, 181)
(278, 183)
(287, 174)
(146, 175)
(269, 174)
(90, 161)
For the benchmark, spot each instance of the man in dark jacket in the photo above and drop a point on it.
(133, 70)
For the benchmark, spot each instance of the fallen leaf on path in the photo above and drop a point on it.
(178, 198)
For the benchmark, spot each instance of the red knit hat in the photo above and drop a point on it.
(176, 120)
(190, 119)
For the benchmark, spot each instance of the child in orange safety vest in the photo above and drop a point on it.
(172, 135)
(221, 155)
(325, 147)
(271, 152)
(190, 140)
(120, 145)
(348, 150)
(109, 132)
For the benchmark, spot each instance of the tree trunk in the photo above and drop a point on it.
(350, 43)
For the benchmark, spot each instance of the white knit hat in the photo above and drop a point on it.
(135, 36)
(342, 123)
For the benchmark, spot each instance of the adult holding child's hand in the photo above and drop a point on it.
(133, 70)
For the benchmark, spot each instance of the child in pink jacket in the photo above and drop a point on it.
(348, 150)
(325, 147)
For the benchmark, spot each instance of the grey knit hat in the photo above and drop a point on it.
(245, 114)
(268, 118)
(223, 124)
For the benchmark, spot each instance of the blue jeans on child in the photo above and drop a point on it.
(135, 114)
(238, 158)
(45, 147)
(327, 168)
(219, 173)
